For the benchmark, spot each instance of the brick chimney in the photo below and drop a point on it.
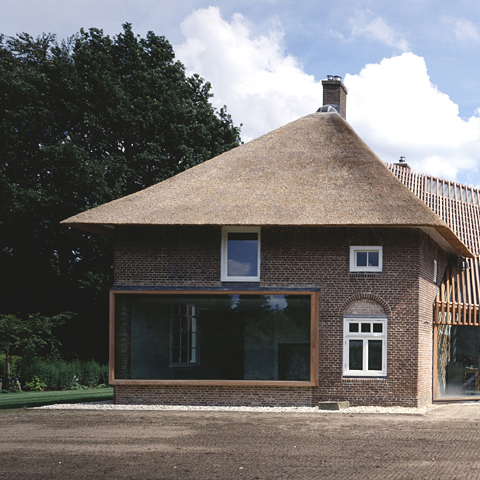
(334, 95)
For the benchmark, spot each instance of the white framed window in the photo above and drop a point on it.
(366, 259)
(184, 336)
(240, 254)
(365, 346)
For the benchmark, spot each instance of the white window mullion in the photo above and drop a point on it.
(365, 355)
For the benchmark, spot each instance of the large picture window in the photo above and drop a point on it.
(457, 365)
(240, 254)
(364, 347)
(215, 336)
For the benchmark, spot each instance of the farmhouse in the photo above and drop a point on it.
(293, 269)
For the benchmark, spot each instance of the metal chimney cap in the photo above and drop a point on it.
(402, 160)
(337, 78)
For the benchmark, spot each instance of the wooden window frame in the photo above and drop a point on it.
(314, 338)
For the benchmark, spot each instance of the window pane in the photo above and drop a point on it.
(361, 259)
(365, 327)
(458, 373)
(355, 355)
(373, 259)
(375, 355)
(378, 327)
(353, 327)
(231, 337)
(242, 254)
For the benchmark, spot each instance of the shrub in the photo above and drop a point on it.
(63, 375)
(35, 385)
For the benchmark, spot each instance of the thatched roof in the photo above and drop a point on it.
(314, 171)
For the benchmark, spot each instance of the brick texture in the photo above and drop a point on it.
(303, 257)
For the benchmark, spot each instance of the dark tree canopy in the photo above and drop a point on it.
(83, 122)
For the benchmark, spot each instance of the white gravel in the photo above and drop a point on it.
(351, 410)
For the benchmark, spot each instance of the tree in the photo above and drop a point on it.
(19, 335)
(83, 122)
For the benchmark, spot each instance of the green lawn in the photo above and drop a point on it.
(36, 399)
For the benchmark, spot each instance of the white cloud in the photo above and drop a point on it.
(398, 111)
(377, 29)
(364, 24)
(262, 86)
(466, 30)
(392, 105)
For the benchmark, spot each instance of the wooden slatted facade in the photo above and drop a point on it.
(458, 300)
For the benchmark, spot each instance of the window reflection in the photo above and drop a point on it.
(242, 254)
(212, 337)
(457, 361)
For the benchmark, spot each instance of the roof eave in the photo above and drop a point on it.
(105, 230)
(442, 235)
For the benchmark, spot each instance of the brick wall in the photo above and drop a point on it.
(213, 395)
(304, 258)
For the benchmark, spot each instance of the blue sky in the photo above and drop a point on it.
(411, 67)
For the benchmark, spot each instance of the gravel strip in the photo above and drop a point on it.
(109, 405)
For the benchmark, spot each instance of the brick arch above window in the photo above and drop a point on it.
(365, 304)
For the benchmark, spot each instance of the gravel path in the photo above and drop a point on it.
(109, 405)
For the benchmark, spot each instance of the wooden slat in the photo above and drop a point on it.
(468, 286)
(459, 292)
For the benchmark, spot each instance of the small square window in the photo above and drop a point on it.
(240, 254)
(366, 259)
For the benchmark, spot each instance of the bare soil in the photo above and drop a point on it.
(74, 444)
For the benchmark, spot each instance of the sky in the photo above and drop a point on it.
(411, 67)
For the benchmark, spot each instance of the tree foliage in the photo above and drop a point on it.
(83, 122)
(28, 334)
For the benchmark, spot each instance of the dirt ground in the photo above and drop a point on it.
(74, 444)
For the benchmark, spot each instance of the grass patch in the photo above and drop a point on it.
(37, 399)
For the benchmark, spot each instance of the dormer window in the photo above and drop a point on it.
(240, 254)
(365, 259)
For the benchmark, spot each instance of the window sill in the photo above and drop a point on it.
(227, 383)
(364, 379)
(240, 280)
